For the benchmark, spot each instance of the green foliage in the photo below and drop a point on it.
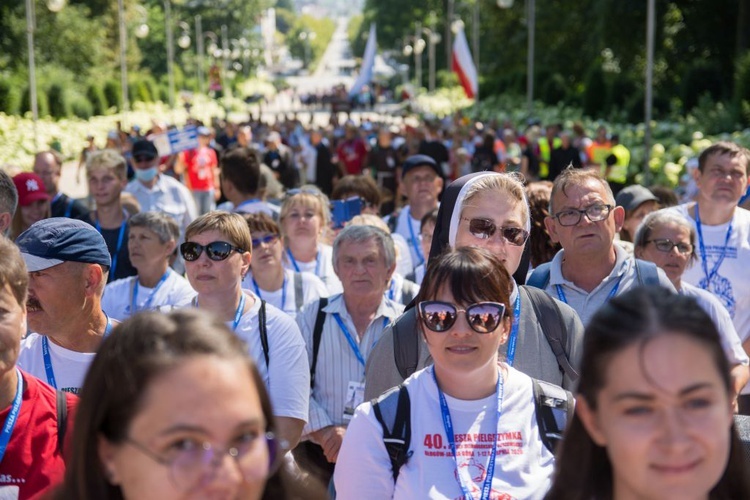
(59, 105)
(741, 96)
(97, 99)
(113, 94)
(554, 89)
(702, 77)
(81, 107)
(10, 100)
(301, 48)
(284, 20)
(42, 103)
(595, 97)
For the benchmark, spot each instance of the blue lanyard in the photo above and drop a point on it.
(283, 291)
(120, 238)
(392, 289)
(296, 267)
(612, 293)
(448, 425)
(238, 313)
(350, 339)
(147, 305)
(514, 331)
(414, 241)
(10, 420)
(704, 257)
(48, 359)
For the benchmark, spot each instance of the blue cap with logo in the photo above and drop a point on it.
(53, 241)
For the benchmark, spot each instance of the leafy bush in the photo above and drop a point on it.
(742, 86)
(595, 95)
(113, 94)
(59, 107)
(41, 100)
(554, 89)
(81, 107)
(10, 100)
(702, 77)
(95, 95)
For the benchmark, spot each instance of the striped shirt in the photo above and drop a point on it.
(337, 362)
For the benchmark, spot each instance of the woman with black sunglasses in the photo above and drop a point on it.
(217, 253)
(475, 433)
(488, 210)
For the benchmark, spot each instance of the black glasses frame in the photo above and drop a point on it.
(216, 250)
(589, 212)
(450, 319)
(666, 245)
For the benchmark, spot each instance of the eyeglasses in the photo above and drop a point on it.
(216, 250)
(268, 239)
(594, 213)
(192, 463)
(665, 245)
(484, 229)
(483, 317)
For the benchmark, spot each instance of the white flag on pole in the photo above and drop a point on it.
(368, 63)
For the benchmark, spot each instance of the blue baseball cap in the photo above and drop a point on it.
(415, 161)
(53, 241)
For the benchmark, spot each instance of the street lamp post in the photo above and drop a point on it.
(650, 28)
(54, 6)
(170, 50)
(199, 49)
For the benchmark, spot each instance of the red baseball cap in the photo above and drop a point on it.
(30, 188)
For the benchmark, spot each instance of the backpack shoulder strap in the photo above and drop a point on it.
(317, 335)
(299, 298)
(553, 326)
(646, 272)
(393, 411)
(62, 418)
(393, 220)
(405, 345)
(554, 406)
(540, 276)
(263, 331)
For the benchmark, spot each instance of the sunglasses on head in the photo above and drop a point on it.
(267, 239)
(485, 229)
(216, 250)
(483, 317)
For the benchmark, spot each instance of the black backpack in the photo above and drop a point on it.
(554, 405)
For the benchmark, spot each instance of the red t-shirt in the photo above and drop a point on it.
(352, 155)
(32, 463)
(200, 164)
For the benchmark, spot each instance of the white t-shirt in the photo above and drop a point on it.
(407, 226)
(730, 341)
(287, 376)
(523, 465)
(321, 266)
(312, 289)
(404, 263)
(69, 367)
(731, 284)
(174, 293)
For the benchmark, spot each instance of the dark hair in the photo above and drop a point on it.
(471, 274)
(8, 193)
(241, 167)
(261, 223)
(666, 195)
(541, 247)
(584, 470)
(139, 350)
(360, 185)
(430, 217)
(13, 270)
(724, 148)
(576, 177)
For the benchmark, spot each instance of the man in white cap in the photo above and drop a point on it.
(68, 262)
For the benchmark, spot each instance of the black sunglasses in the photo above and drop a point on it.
(483, 317)
(267, 239)
(485, 229)
(216, 250)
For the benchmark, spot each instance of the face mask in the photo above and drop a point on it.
(146, 174)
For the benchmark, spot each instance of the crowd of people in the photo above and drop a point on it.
(365, 310)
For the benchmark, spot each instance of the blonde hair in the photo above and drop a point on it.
(307, 197)
(107, 159)
(506, 184)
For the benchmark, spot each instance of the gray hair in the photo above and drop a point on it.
(163, 225)
(661, 218)
(8, 193)
(360, 234)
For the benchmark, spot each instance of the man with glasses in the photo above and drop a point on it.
(158, 192)
(422, 182)
(723, 230)
(590, 269)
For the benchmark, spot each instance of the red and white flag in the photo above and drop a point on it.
(463, 65)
